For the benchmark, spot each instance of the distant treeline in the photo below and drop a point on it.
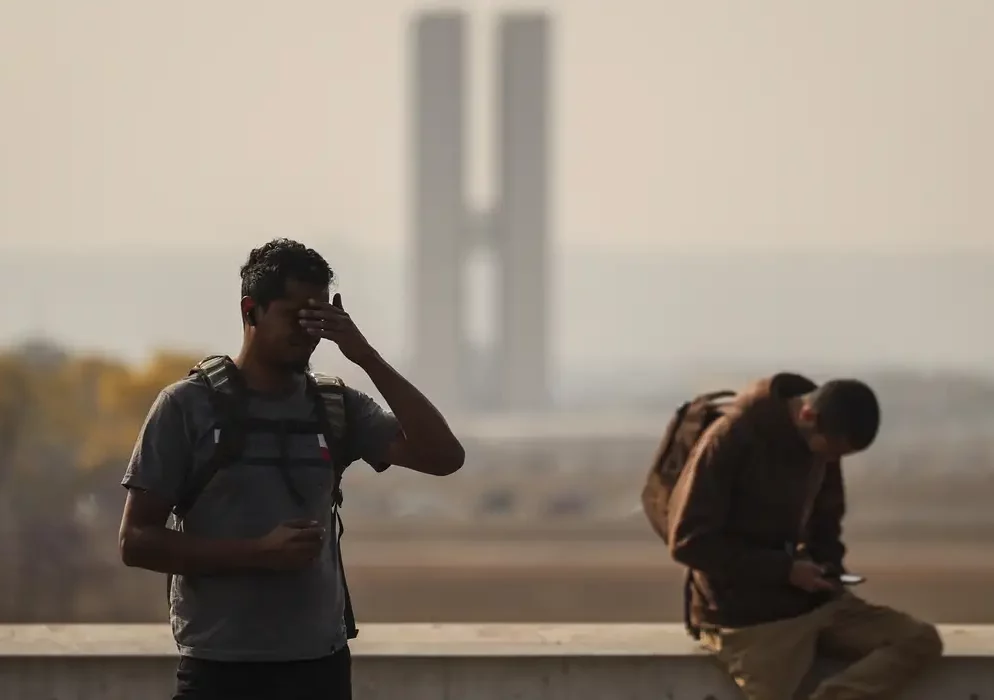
(68, 425)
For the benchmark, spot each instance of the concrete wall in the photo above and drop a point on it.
(478, 662)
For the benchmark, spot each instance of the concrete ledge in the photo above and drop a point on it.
(86, 662)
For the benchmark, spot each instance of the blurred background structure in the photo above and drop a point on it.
(561, 223)
(510, 241)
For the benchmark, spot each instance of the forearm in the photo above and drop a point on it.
(169, 551)
(428, 436)
(825, 544)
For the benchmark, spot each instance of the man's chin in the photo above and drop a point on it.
(301, 364)
(300, 367)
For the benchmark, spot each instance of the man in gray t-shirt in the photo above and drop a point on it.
(257, 602)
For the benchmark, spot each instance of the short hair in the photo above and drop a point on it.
(848, 409)
(265, 273)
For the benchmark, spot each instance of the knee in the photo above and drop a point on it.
(923, 642)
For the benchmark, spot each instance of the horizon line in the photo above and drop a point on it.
(574, 246)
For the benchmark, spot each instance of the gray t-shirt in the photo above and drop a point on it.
(255, 616)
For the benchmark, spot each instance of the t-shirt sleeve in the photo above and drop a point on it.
(370, 428)
(162, 457)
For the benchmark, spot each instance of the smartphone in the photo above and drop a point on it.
(851, 579)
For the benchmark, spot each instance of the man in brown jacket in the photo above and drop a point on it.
(756, 516)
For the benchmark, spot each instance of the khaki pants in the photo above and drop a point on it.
(888, 648)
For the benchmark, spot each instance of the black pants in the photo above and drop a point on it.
(327, 678)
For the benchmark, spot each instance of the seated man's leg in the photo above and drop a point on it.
(768, 661)
(891, 648)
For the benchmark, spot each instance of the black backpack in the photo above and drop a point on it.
(232, 425)
(684, 430)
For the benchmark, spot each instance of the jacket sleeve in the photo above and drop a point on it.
(699, 509)
(825, 528)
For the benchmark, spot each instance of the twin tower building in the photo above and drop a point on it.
(511, 372)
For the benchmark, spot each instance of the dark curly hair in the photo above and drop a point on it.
(265, 273)
(847, 408)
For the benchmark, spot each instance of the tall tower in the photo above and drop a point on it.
(438, 163)
(515, 231)
(522, 225)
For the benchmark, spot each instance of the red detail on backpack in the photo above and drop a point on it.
(325, 452)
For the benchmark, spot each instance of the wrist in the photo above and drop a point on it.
(250, 553)
(791, 569)
(369, 360)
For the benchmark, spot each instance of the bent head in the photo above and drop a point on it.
(278, 279)
(839, 418)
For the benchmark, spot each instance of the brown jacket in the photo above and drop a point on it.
(736, 511)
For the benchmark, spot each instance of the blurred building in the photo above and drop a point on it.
(511, 374)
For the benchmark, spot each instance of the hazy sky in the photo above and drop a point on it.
(146, 123)
(149, 126)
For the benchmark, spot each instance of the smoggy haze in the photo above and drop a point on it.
(132, 131)
(768, 123)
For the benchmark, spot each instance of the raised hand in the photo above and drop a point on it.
(332, 322)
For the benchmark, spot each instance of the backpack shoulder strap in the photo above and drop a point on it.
(330, 406)
(714, 399)
(220, 375)
(714, 396)
(218, 372)
(331, 391)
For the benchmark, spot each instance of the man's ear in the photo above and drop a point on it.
(808, 416)
(248, 307)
